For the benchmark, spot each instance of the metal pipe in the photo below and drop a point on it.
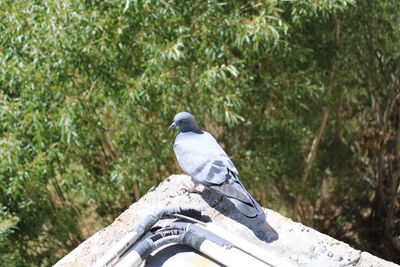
(140, 251)
(112, 256)
(195, 237)
(230, 251)
(224, 255)
(132, 258)
(263, 255)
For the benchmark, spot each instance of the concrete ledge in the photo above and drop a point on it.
(292, 241)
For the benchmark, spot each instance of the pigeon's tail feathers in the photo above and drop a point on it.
(239, 196)
(247, 210)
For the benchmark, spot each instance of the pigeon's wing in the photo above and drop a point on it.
(200, 156)
(213, 145)
(238, 195)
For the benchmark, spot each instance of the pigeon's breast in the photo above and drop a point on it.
(186, 148)
(185, 155)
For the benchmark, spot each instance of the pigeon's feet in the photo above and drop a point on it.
(191, 190)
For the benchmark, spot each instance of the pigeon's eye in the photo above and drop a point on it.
(181, 121)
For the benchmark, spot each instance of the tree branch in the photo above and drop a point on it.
(297, 214)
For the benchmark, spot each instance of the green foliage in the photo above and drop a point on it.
(88, 89)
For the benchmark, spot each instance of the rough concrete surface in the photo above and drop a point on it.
(299, 244)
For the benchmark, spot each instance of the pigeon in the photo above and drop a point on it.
(201, 157)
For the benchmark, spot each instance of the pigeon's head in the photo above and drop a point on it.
(185, 121)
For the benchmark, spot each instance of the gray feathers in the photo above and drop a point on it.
(200, 156)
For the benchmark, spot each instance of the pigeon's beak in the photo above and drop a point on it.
(173, 125)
